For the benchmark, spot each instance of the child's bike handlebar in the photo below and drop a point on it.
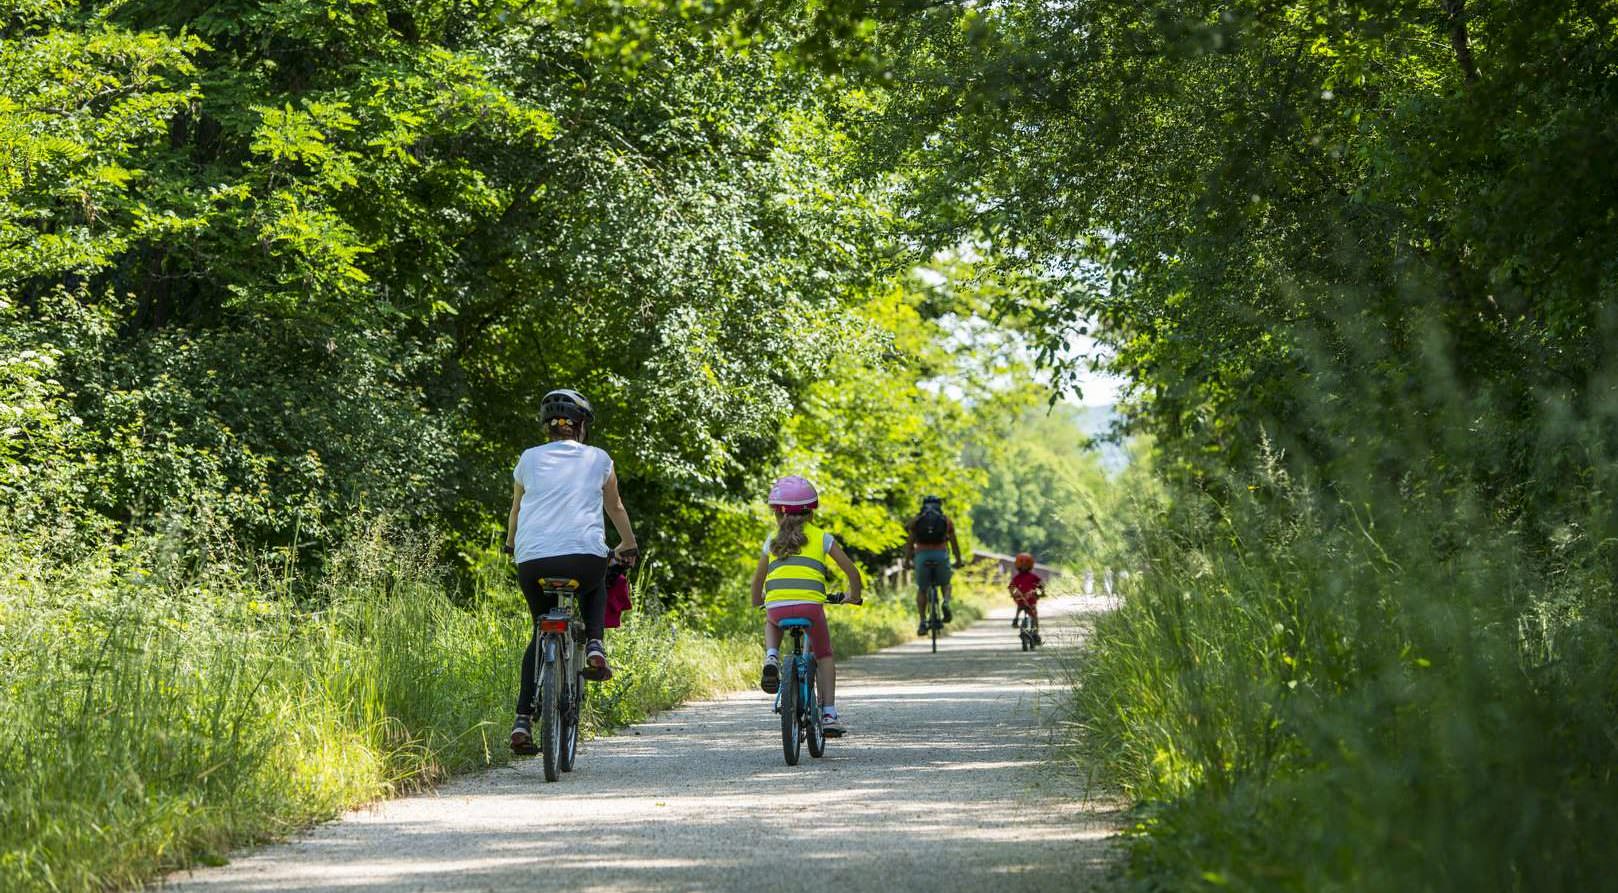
(833, 598)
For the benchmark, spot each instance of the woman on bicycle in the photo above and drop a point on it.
(790, 582)
(559, 492)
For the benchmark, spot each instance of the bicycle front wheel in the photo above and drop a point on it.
(789, 712)
(811, 717)
(550, 717)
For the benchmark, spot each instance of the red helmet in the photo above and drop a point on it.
(1025, 561)
(793, 495)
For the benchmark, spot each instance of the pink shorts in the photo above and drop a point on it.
(819, 635)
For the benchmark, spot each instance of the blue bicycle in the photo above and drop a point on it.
(798, 701)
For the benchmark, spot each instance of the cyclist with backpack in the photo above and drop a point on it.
(560, 490)
(932, 537)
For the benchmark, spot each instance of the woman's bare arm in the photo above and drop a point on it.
(511, 521)
(619, 515)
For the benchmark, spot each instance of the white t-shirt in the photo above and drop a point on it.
(561, 509)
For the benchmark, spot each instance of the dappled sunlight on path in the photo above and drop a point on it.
(942, 784)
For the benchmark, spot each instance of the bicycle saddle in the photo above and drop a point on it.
(795, 623)
(559, 583)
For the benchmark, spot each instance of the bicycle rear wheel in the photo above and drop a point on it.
(550, 717)
(934, 622)
(811, 716)
(570, 722)
(789, 712)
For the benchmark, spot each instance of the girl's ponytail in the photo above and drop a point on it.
(790, 537)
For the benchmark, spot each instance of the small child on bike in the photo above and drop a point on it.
(1026, 588)
(791, 582)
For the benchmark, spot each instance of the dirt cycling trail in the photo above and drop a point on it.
(943, 784)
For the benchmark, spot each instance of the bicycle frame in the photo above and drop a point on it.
(557, 629)
(804, 668)
(797, 701)
(1027, 628)
(558, 659)
(935, 620)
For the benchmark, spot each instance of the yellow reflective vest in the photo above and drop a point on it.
(801, 577)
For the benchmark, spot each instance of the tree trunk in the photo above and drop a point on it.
(1458, 38)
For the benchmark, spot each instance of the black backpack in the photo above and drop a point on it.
(931, 526)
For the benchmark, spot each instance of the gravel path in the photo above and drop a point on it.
(941, 785)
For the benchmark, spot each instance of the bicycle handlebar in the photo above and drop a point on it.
(832, 598)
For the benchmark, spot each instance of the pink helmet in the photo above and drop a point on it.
(794, 495)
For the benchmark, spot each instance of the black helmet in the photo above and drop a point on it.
(565, 404)
(932, 500)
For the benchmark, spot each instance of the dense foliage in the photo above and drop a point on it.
(281, 283)
(270, 267)
(1357, 262)
(1286, 221)
(287, 264)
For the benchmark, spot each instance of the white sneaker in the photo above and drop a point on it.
(770, 679)
(832, 726)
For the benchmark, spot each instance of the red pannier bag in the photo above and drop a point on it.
(617, 596)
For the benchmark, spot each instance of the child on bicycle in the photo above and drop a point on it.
(790, 582)
(1026, 587)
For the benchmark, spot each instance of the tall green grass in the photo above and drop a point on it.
(159, 712)
(1398, 696)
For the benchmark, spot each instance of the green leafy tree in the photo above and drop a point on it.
(1356, 262)
(1045, 490)
(324, 258)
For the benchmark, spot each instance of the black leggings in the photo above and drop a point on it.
(591, 572)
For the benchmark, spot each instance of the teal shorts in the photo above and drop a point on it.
(932, 568)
